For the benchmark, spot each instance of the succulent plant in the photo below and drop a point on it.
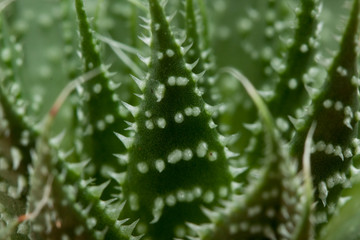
(123, 120)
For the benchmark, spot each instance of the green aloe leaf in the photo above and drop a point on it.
(172, 171)
(291, 87)
(304, 37)
(335, 110)
(62, 201)
(68, 205)
(17, 134)
(199, 54)
(271, 206)
(98, 113)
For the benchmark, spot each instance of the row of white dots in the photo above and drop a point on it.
(189, 111)
(177, 81)
(178, 155)
(321, 146)
(160, 122)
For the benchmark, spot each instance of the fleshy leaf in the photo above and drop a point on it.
(200, 56)
(98, 114)
(270, 206)
(285, 100)
(17, 135)
(172, 171)
(334, 111)
(290, 91)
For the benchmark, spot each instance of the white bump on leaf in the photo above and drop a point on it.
(201, 149)
(175, 156)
